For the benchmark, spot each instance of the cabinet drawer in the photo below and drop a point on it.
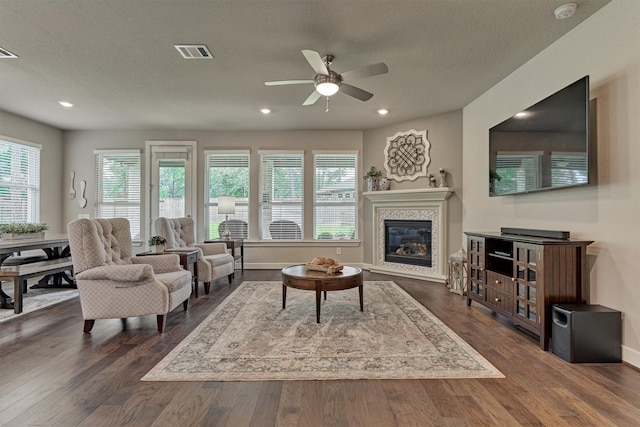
(500, 282)
(500, 300)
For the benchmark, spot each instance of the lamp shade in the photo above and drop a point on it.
(226, 205)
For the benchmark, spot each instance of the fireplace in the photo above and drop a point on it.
(405, 222)
(408, 242)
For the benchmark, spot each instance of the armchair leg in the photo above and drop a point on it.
(230, 277)
(88, 325)
(207, 287)
(162, 321)
(185, 304)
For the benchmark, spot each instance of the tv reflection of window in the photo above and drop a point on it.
(568, 169)
(518, 171)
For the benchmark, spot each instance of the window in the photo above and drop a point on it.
(281, 198)
(118, 187)
(19, 183)
(227, 174)
(335, 198)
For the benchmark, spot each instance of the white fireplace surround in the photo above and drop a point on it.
(412, 204)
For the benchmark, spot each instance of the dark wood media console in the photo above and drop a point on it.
(520, 277)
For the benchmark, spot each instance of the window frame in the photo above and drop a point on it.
(240, 204)
(32, 186)
(99, 194)
(263, 188)
(316, 203)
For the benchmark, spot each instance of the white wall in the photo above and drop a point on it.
(51, 179)
(607, 48)
(444, 132)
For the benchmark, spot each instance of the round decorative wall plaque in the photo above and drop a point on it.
(407, 155)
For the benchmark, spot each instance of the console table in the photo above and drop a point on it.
(233, 244)
(521, 277)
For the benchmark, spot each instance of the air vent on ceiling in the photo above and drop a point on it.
(194, 51)
(4, 53)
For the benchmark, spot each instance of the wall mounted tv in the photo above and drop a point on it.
(545, 147)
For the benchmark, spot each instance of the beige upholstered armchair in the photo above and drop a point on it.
(113, 284)
(214, 260)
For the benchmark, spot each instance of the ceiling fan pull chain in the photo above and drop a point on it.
(327, 110)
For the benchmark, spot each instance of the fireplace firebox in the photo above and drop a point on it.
(408, 242)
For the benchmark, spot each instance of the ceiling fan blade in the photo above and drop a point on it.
(366, 71)
(356, 92)
(312, 98)
(288, 82)
(315, 60)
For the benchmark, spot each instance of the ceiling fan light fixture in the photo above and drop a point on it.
(327, 85)
(327, 89)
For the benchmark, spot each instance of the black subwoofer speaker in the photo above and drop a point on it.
(585, 333)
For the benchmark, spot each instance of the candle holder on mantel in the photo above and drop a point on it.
(443, 177)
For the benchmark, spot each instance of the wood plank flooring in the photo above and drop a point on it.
(54, 375)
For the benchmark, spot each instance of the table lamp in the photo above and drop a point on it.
(226, 205)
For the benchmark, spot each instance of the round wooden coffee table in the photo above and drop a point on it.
(298, 277)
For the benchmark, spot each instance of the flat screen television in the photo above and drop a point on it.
(545, 147)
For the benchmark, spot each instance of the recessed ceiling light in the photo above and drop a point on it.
(521, 114)
(265, 111)
(383, 111)
(65, 104)
(565, 11)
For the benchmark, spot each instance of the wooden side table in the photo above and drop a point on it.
(188, 261)
(233, 244)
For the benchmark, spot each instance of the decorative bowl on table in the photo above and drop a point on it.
(327, 265)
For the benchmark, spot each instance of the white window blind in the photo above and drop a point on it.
(335, 199)
(568, 169)
(117, 192)
(518, 171)
(281, 196)
(19, 183)
(227, 174)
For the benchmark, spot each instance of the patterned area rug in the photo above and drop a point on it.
(35, 299)
(249, 337)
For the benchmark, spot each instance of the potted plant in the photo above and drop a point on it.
(14, 231)
(158, 242)
(372, 178)
(493, 177)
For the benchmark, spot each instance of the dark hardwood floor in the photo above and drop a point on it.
(54, 375)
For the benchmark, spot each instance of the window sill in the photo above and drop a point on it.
(301, 243)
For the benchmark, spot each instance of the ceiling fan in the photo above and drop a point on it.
(327, 82)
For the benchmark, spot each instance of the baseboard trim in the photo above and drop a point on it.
(631, 356)
(280, 266)
(406, 273)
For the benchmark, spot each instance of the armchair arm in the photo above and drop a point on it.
(212, 248)
(160, 263)
(118, 273)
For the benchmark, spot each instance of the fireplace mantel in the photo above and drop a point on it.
(435, 194)
(420, 203)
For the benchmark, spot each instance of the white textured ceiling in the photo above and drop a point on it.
(116, 62)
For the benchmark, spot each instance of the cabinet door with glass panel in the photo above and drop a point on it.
(526, 264)
(475, 279)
